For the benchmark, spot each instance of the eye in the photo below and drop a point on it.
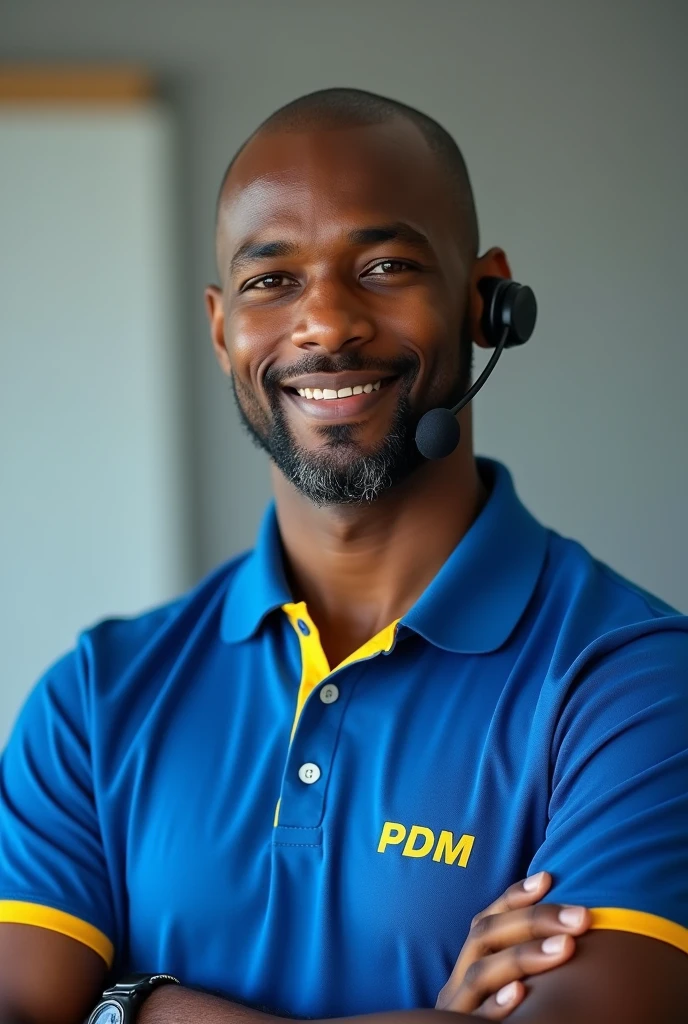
(268, 282)
(387, 267)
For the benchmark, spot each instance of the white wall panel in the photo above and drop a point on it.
(90, 469)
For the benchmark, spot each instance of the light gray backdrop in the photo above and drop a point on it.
(572, 117)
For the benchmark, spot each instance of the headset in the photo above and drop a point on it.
(509, 314)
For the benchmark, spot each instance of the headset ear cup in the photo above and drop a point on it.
(506, 304)
(520, 312)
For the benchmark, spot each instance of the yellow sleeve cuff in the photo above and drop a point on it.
(613, 918)
(640, 923)
(19, 912)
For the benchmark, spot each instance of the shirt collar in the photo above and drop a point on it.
(472, 605)
(259, 585)
(476, 599)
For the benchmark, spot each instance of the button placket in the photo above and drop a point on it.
(316, 725)
(311, 755)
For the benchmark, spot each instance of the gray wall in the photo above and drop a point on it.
(572, 119)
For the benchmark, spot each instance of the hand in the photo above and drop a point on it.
(505, 944)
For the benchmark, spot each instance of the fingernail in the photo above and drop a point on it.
(572, 917)
(533, 881)
(553, 945)
(506, 994)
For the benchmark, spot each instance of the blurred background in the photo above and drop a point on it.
(125, 475)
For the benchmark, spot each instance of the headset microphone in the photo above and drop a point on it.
(509, 314)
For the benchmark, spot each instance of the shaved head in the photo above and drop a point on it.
(350, 108)
(346, 242)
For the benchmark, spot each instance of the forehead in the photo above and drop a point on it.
(322, 183)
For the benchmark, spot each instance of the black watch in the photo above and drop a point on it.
(120, 1004)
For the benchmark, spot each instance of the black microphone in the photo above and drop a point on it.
(438, 432)
(508, 319)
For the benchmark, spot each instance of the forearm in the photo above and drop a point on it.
(172, 1005)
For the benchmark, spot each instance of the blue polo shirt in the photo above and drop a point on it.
(195, 790)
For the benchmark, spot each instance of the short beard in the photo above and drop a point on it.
(341, 474)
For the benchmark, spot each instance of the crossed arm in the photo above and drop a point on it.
(630, 772)
(614, 978)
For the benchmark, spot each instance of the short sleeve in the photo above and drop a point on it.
(617, 835)
(53, 872)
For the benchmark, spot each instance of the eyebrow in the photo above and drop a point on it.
(399, 231)
(254, 252)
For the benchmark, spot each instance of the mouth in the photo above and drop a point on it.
(339, 396)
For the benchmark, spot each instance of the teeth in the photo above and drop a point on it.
(330, 394)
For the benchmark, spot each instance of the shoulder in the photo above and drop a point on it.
(573, 572)
(590, 610)
(617, 658)
(148, 646)
(165, 625)
(82, 712)
(603, 655)
(117, 654)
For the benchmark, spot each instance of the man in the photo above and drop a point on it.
(296, 787)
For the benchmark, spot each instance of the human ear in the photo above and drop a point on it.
(216, 317)
(493, 263)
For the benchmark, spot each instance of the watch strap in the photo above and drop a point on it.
(132, 984)
(133, 989)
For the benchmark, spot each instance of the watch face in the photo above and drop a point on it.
(108, 1013)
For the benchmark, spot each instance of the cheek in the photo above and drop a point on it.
(424, 314)
(433, 330)
(251, 338)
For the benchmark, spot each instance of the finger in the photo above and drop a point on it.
(499, 931)
(520, 894)
(487, 976)
(501, 1004)
(513, 928)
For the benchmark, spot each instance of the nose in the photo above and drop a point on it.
(331, 318)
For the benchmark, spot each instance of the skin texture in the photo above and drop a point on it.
(504, 946)
(313, 191)
(46, 978)
(360, 567)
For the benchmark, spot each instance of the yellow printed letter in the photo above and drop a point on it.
(426, 846)
(462, 850)
(392, 833)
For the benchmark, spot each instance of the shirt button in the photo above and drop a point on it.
(303, 626)
(329, 694)
(309, 773)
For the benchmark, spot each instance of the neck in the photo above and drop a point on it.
(358, 568)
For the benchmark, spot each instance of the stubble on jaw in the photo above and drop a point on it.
(340, 473)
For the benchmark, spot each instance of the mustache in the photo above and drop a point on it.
(400, 366)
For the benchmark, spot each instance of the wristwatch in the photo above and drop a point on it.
(120, 1004)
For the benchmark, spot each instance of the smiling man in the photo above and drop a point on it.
(335, 447)
(295, 787)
